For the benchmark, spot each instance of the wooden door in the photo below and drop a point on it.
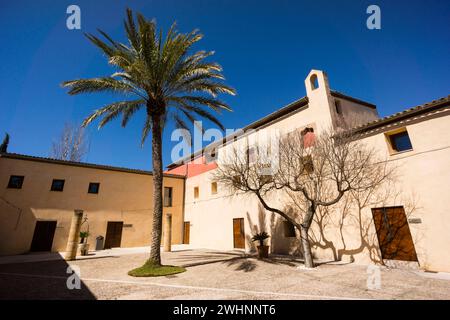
(187, 230)
(238, 233)
(113, 234)
(394, 236)
(44, 231)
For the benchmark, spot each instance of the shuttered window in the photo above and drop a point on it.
(167, 197)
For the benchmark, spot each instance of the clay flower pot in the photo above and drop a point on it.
(263, 252)
(83, 249)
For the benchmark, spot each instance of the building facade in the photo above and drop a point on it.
(38, 197)
(415, 141)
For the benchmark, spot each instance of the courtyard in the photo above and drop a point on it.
(210, 275)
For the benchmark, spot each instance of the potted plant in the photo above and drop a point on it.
(263, 251)
(84, 246)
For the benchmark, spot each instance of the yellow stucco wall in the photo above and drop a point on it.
(123, 196)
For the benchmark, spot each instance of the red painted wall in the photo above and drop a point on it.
(193, 168)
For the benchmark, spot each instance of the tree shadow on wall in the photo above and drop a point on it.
(278, 242)
(349, 229)
(346, 230)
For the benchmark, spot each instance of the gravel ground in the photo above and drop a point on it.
(212, 275)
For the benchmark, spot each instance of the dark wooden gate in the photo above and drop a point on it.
(187, 230)
(44, 231)
(393, 233)
(238, 233)
(113, 234)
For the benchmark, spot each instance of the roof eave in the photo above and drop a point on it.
(17, 156)
(254, 125)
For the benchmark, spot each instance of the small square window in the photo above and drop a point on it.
(94, 187)
(214, 188)
(308, 166)
(289, 229)
(251, 155)
(167, 197)
(15, 182)
(57, 185)
(196, 192)
(400, 141)
(308, 137)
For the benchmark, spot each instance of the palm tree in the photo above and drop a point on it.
(157, 74)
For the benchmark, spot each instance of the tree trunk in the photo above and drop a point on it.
(155, 253)
(307, 254)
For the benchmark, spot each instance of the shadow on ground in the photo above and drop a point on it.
(250, 263)
(239, 260)
(207, 257)
(44, 280)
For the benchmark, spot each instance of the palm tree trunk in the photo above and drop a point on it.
(155, 253)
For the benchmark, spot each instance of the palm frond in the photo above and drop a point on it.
(184, 127)
(146, 129)
(130, 28)
(203, 113)
(112, 110)
(180, 123)
(130, 111)
(201, 83)
(107, 49)
(104, 84)
(169, 80)
(213, 103)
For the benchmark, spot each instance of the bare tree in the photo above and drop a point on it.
(309, 174)
(5, 143)
(72, 144)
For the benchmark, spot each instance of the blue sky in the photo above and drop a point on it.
(266, 48)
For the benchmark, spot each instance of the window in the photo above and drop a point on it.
(15, 182)
(93, 187)
(214, 188)
(308, 166)
(251, 155)
(314, 82)
(289, 229)
(337, 105)
(196, 192)
(57, 185)
(400, 141)
(308, 137)
(167, 197)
